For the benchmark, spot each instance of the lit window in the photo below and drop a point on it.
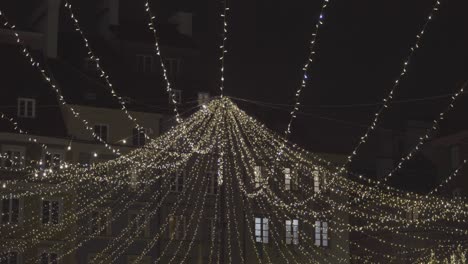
(26, 107)
(139, 138)
(134, 182)
(212, 182)
(177, 181)
(292, 232)
(10, 211)
(100, 222)
(177, 96)
(177, 227)
(321, 233)
(145, 63)
(316, 176)
(49, 257)
(51, 211)
(9, 257)
(102, 131)
(259, 178)
(261, 230)
(139, 223)
(290, 179)
(203, 98)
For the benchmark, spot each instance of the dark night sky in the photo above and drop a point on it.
(360, 52)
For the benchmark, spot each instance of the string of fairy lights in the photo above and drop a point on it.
(243, 156)
(396, 84)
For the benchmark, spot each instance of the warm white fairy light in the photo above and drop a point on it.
(223, 45)
(429, 132)
(102, 74)
(170, 91)
(305, 68)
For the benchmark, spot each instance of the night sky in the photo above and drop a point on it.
(360, 52)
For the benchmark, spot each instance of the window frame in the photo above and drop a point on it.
(60, 211)
(139, 136)
(145, 217)
(175, 185)
(8, 252)
(104, 215)
(321, 234)
(10, 211)
(262, 230)
(177, 230)
(106, 139)
(141, 63)
(49, 253)
(52, 152)
(26, 101)
(177, 96)
(292, 231)
(213, 186)
(13, 148)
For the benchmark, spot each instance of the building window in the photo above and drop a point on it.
(455, 156)
(139, 136)
(52, 159)
(292, 232)
(290, 179)
(172, 68)
(259, 176)
(261, 230)
(177, 227)
(51, 211)
(145, 63)
(412, 213)
(100, 223)
(316, 179)
(102, 131)
(10, 210)
(13, 156)
(49, 257)
(321, 233)
(177, 96)
(203, 98)
(177, 181)
(9, 257)
(139, 223)
(26, 107)
(212, 182)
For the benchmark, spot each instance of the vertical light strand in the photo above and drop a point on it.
(305, 68)
(223, 45)
(92, 56)
(157, 49)
(423, 139)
